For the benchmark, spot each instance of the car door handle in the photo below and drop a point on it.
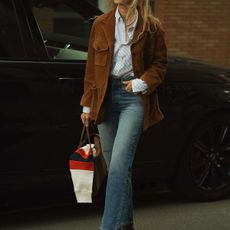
(66, 78)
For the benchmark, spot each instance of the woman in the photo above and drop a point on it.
(127, 60)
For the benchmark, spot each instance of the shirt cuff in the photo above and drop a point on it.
(138, 85)
(86, 109)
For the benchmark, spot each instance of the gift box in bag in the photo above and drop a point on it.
(82, 165)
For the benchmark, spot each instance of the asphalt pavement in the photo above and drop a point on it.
(164, 211)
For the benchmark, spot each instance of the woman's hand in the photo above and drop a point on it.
(128, 85)
(85, 119)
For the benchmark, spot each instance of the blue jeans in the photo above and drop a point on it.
(119, 134)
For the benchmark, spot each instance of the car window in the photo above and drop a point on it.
(94, 2)
(11, 45)
(65, 31)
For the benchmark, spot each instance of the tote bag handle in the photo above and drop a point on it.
(85, 132)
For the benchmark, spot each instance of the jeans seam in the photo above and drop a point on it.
(123, 200)
(122, 213)
(118, 224)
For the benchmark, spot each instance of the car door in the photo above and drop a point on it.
(65, 30)
(163, 141)
(31, 115)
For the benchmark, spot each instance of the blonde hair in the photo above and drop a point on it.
(146, 12)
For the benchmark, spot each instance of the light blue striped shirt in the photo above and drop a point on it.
(122, 59)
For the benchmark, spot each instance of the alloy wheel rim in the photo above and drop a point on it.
(210, 158)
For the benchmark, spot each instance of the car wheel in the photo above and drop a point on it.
(204, 166)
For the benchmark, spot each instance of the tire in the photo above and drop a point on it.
(204, 166)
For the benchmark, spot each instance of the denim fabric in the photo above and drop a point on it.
(120, 133)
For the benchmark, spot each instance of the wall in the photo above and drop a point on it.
(197, 28)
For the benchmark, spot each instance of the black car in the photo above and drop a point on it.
(43, 51)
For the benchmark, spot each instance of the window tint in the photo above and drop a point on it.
(65, 31)
(94, 2)
(11, 46)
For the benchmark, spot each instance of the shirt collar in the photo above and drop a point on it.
(117, 15)
(119, 18)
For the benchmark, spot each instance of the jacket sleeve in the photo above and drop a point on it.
(154, 74)
(89, 71)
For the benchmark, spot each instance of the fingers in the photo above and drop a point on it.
(126, 82)
(85, 119)
(128, 85)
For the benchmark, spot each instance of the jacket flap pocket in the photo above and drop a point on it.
(100, 46)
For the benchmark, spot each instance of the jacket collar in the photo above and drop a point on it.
(139, 28)
(108, 24)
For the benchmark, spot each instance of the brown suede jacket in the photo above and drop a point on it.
(149, 58)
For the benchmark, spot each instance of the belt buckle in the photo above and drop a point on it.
(130, 77)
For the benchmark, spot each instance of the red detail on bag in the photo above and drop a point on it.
(81, 165)
(81, 152)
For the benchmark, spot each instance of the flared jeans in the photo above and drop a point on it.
(119, 133)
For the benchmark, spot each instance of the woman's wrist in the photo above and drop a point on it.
(86, 109)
